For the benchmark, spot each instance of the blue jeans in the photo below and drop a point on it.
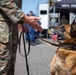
(31, 37)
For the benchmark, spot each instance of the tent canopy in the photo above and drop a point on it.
(66, 5)
(67, 2)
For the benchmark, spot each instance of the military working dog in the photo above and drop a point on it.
(64, 60)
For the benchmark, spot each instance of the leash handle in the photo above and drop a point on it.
(23, 37)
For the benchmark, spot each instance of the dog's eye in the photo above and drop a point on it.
(62, 28)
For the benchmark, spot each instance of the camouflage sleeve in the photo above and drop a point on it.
(11, 10)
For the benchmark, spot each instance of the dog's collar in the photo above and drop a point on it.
(68, 46)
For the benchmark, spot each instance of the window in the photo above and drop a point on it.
(43, 12)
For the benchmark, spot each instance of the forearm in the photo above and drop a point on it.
(25, 18)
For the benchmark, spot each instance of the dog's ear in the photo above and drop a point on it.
(74, 21)
(73, 28)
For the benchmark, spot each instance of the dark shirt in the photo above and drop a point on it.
(63, 21)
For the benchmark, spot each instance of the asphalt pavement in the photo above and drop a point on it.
(38, 59)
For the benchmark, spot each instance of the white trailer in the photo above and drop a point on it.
(43, 13)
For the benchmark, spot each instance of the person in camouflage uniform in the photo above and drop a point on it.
(10, 15)
(14, 45)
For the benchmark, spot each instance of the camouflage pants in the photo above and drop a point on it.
(8, 54)
(4, 59)
(12, 62)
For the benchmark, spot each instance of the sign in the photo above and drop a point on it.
(68, 5)
(73, 5)
(65, 5)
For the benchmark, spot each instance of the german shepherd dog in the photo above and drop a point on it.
(64, 60)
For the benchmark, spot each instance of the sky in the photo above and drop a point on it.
(31, 5)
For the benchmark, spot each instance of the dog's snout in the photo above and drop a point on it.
(58, 31)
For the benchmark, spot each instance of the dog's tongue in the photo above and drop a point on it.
(54, 38)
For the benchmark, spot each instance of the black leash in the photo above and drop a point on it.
(54, 44)
(23, 36)
(25, 51)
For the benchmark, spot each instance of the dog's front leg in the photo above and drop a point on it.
(52, 66)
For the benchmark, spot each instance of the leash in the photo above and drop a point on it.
(45, 40)
(24, 44)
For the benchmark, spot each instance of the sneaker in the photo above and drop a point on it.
(33, 43)
(37, 41)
